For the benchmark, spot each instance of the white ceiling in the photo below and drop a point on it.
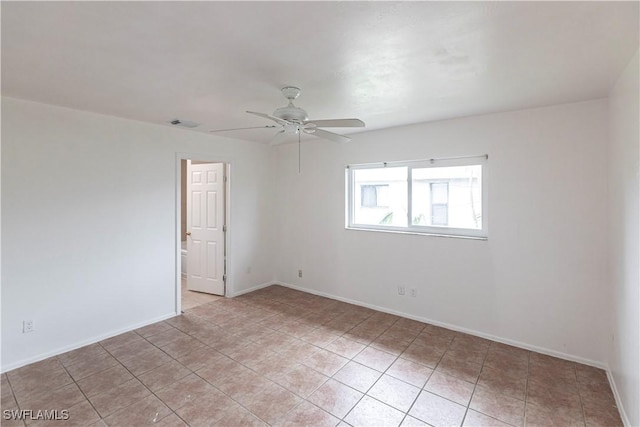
(388, 63)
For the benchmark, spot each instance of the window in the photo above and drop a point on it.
(374, 196)
(439, 203)
(380, 196)
(437, 196)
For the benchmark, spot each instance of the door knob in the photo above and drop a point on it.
(188, 233)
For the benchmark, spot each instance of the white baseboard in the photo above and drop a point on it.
(542, 350)
(253, 288)
(616, 395)
(92, 340)
(454, 327)
(514, 343)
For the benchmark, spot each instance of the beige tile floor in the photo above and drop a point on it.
(191, 299)
(282, 357)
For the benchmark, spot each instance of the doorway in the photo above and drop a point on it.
(203, 222)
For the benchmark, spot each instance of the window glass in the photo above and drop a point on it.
(439, 203)
(374, 196)
(447, 196)
(437, 196)
(380, 196)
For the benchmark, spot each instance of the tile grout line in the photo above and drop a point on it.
(397, 357)
(143, 384)
(268, 379)
(432, 372)
(136, 376)
(351, 359)
(475, 385)
(526, 388)
(78, 386)
(195, 372)
(406, 414)
(14, 396)
(584, 415)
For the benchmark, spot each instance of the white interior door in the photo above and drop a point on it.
(205, 232)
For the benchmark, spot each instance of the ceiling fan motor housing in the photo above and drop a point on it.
(291, 113)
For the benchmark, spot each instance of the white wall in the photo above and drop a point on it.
(624, 214)
(89, 217)
(540, 277)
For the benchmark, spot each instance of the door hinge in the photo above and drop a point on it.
(225, 179)
(224, 278)
(224, 228)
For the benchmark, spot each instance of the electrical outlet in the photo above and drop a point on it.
(414, 292)
(300, 273)
(27, 326)
(400, 290)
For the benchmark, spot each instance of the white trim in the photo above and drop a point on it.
(446, 161)
(84, 343)
(415, 233)
(616, 395)
(519, 344)
(253, 288)
(213, 158)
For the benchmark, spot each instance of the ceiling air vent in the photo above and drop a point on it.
(184, 123)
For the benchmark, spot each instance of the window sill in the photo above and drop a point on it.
(417, 233)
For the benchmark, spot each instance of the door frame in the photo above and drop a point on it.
(228, 163)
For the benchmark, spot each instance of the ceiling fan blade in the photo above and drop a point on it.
(253, 127)
(330, 136)
(267, 116)
(278, 139)
(337, 123)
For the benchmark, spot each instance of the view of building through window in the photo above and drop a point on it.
(447, 196)
(417, 196)
(392, 206)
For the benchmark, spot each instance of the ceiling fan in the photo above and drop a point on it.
(295, 120)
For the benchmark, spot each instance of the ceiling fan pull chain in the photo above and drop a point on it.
(299, 152)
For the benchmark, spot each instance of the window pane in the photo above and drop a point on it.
(447, 196)
(440, 192)
(439, 215)
(380, 196)
(369, 196)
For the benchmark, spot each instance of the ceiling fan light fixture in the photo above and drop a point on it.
(308, 128)
(291, 129)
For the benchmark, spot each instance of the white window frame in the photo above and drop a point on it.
(420, 229)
